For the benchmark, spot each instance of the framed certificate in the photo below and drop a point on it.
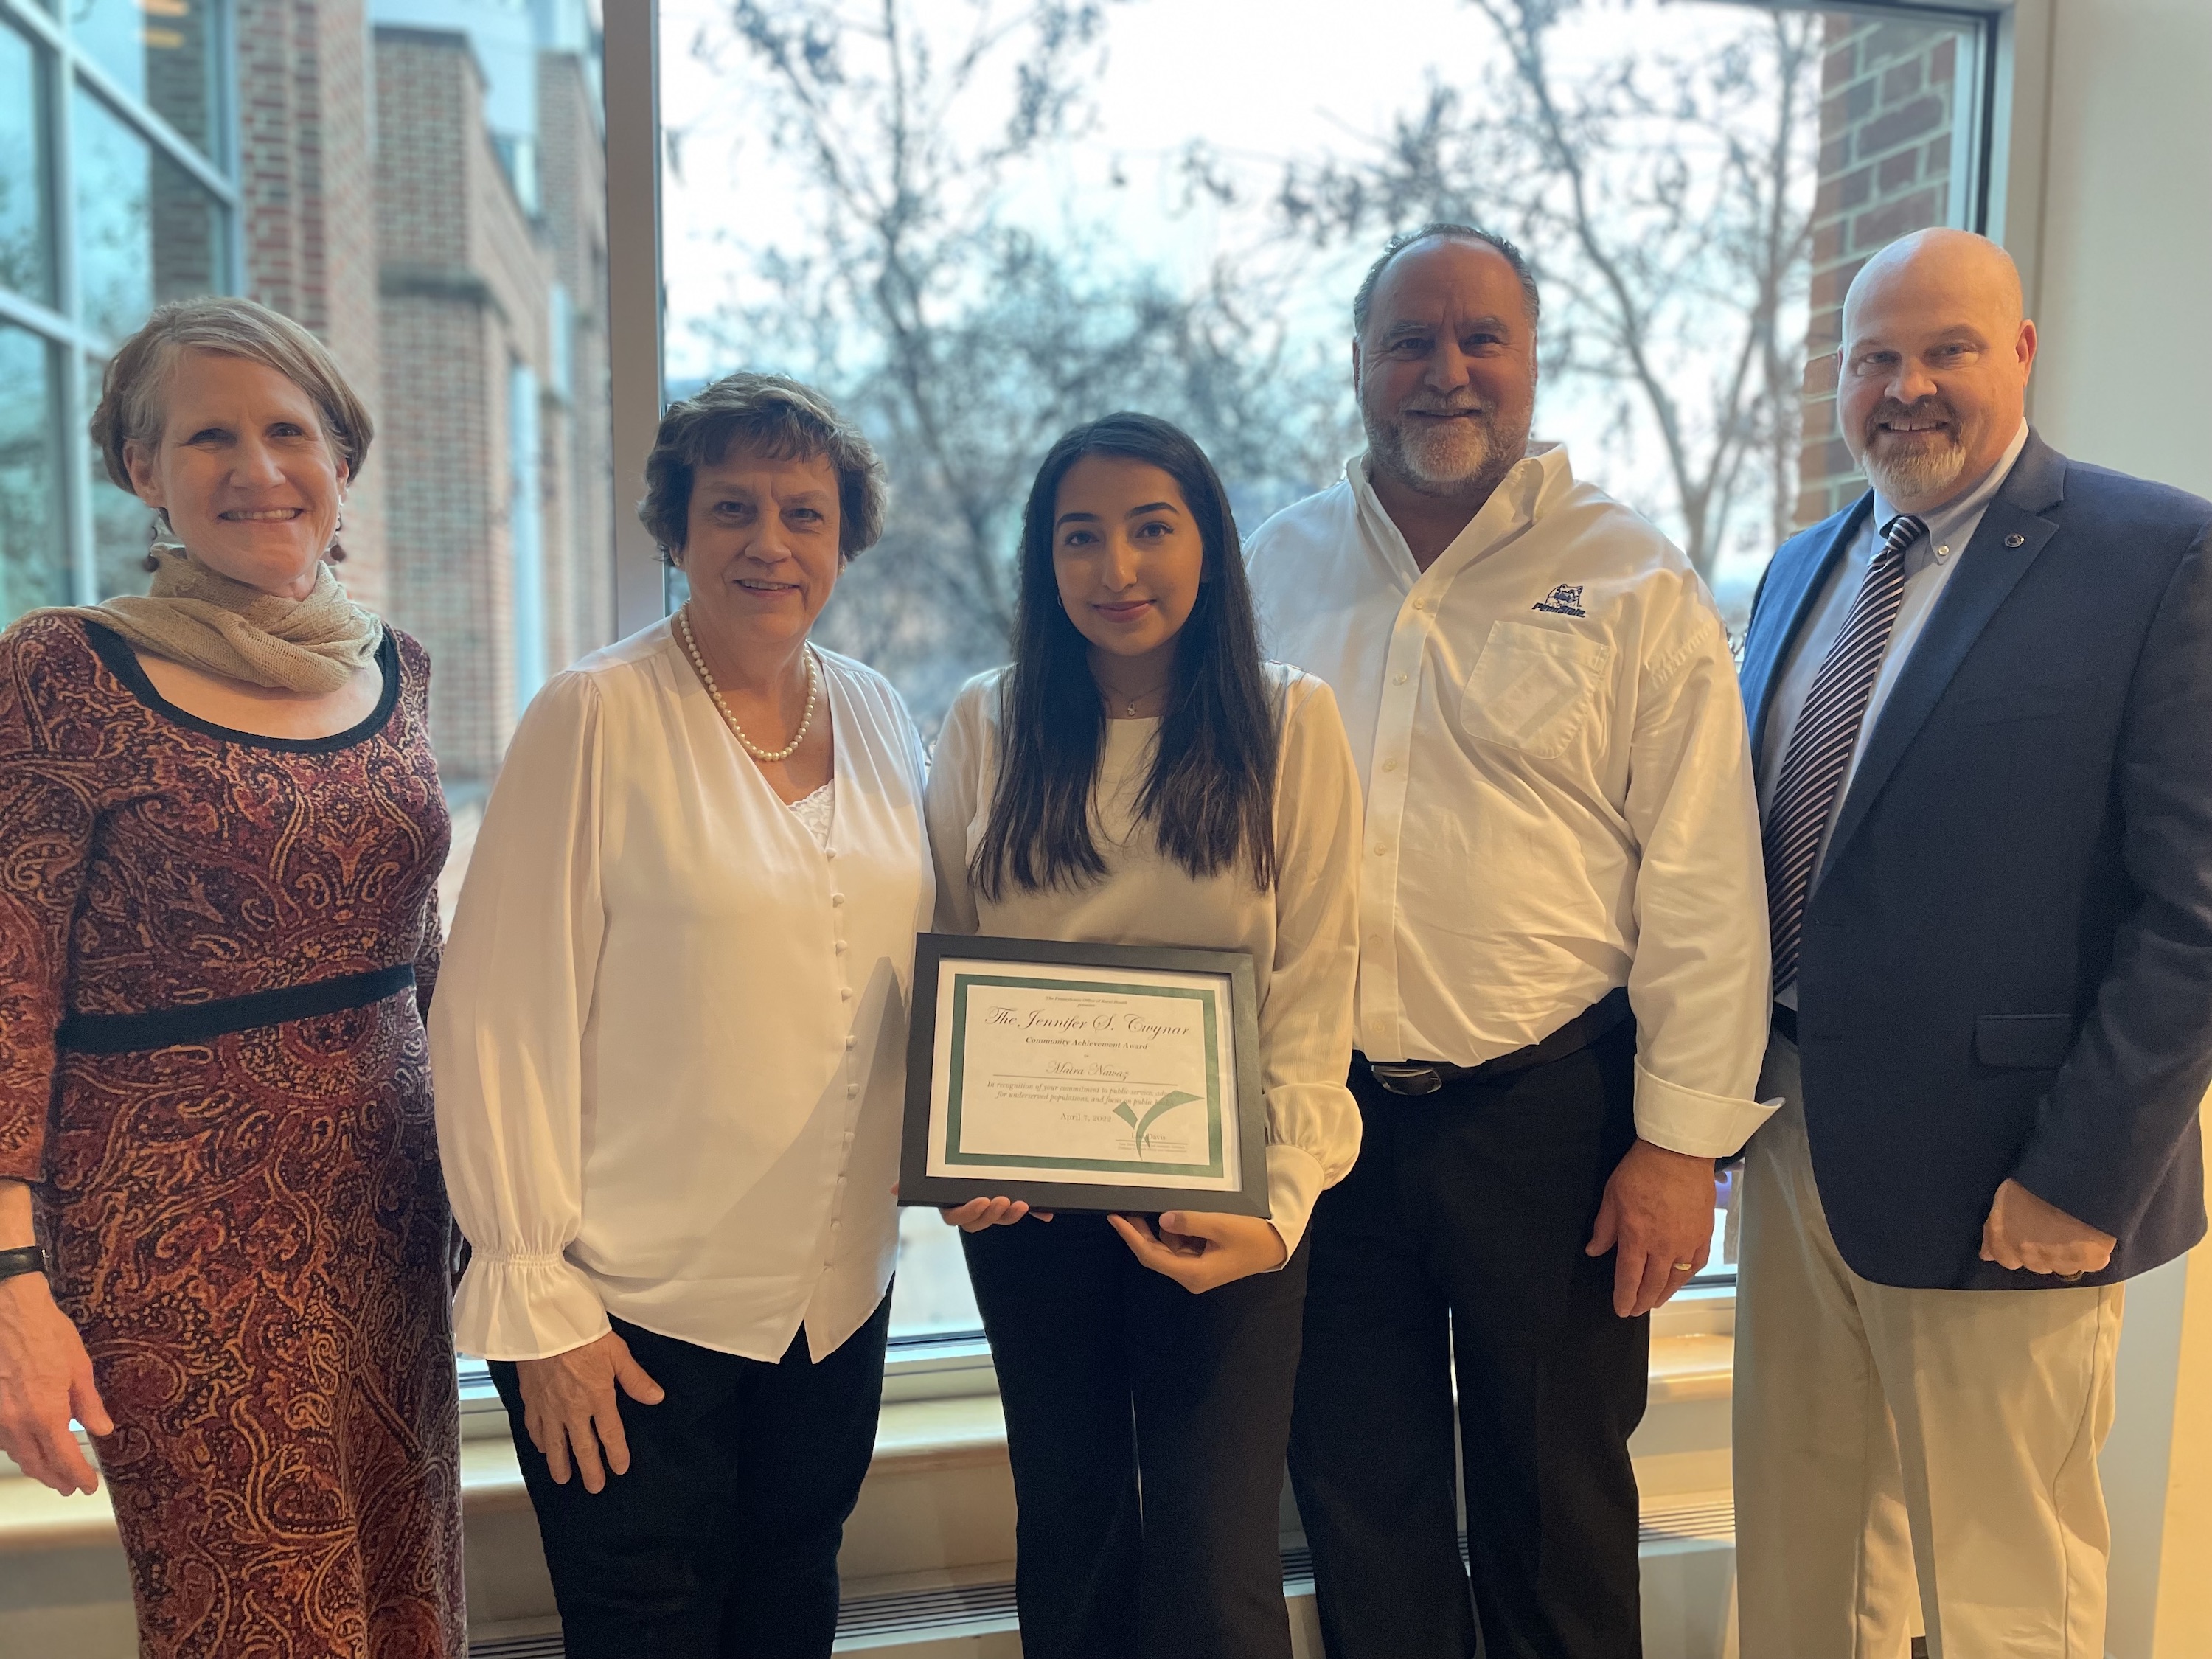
(1084, 1077)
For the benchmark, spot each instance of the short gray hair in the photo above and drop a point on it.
(1364, 300)
(777, 418)
(133, 402)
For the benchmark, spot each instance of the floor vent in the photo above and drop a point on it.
(972, 1607)
(519, 1647)
(1699, 1521)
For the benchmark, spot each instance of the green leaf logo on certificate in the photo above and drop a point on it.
(1166, 1102)
(1083, 1077)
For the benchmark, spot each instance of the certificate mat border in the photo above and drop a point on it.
(1213, 1169)
(918, 1187)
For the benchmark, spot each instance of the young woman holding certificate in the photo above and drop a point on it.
(1138, 775)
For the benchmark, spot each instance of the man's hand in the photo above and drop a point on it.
(2022, 1231)
(568, 1406)
(1658, 1215)
(45, 1379)
(1200, 1250)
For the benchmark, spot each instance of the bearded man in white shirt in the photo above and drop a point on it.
(1563, 975)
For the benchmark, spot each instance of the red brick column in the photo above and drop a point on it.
(446, 363)
(1886, 134)
(307, 195)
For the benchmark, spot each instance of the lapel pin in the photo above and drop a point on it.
(2016, 540)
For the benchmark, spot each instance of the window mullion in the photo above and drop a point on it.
(76, 456)
(35, 22)
(155, 130)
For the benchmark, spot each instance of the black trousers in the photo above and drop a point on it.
(1147, 1428)
(1456, 1241)
(722, 1542)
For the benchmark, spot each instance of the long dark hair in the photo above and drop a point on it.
(1211, 797)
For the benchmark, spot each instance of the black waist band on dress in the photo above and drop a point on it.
(165, 1028)
(1426, 1077)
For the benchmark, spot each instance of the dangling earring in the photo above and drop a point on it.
(335, 553)
(161, 539)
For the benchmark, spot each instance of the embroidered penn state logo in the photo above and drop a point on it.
(1563, 601)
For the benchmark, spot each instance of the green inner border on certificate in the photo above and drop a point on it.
(1207, 998)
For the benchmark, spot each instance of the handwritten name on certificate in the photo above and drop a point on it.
(1100, 1076)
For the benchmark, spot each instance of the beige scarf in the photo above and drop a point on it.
(205, 621)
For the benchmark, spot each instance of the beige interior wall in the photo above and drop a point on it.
(2124, 282)
(2181, 1623)
(2113, 136)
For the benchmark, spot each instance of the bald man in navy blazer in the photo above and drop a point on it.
(1981, 706)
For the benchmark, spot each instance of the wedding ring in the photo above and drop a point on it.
(1685, 1267)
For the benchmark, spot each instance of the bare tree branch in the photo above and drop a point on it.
(964, 337)
(1665, 201)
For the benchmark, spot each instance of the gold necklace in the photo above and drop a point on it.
(1129, 704)
(706, 679)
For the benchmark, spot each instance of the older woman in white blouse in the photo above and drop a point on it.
(669, 1045)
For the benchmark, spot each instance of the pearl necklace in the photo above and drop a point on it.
(706, 679)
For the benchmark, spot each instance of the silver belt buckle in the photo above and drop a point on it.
(1407, 1079)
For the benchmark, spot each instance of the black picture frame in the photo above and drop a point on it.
(918, 1187)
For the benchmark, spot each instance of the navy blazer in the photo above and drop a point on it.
(2006, 965)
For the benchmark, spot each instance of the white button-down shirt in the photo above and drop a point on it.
(1557, 783)
(669, 1031)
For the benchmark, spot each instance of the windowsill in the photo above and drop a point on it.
(918, 1436)
(940, 1412)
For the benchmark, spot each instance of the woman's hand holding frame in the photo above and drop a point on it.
(1200, 1249)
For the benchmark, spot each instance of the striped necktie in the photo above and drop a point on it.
(1821, 747)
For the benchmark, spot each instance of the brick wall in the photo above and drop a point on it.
(443, 364)
(376, 212)
(467, 280)
(1888, 97)
(307, 188)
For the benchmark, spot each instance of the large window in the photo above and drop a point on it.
(116, 191)
(427, 193)
(976, 222)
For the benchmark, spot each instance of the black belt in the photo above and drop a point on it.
(1785, 1021)
(165, 1028)
(1426, 1077)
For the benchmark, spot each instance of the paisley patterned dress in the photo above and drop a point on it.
(247, 1225)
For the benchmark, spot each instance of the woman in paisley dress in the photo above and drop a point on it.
(223, 1235)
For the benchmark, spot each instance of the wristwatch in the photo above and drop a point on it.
(28, 1260)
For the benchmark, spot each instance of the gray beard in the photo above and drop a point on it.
(1909, 475)
(1437, 465)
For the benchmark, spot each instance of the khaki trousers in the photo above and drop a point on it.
(1884, 1437)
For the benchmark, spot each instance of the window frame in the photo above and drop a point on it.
(948, 1363)
(74, 350)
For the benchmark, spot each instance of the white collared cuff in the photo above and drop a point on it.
(525, 1307)
(1685, 1120)
(1295, 1180)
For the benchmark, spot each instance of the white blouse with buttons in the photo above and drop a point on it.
(670, 1031)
